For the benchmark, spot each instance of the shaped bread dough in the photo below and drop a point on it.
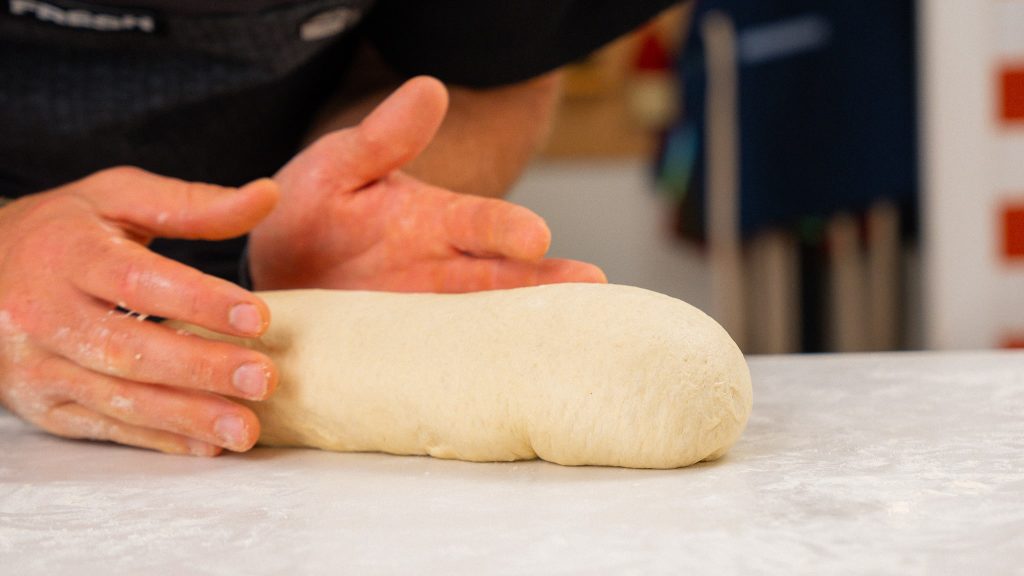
(572, 373)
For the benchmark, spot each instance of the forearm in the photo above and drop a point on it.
(486, 140)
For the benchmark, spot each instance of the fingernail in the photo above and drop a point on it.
(251, 380)
(231, 431)
(246, 318)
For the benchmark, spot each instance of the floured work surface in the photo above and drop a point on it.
(899, 464)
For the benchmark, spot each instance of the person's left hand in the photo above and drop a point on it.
(348, 219)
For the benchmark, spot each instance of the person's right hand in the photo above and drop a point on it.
(76, 366)
(350, 219)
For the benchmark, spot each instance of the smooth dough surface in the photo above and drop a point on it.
(575, 374)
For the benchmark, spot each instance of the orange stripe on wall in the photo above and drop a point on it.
(1011, 80)
(1012, 342)
(1012, 224)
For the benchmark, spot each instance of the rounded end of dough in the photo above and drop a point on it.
(661, 385)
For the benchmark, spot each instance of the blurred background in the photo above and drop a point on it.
(818, 175)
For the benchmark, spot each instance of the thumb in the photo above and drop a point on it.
(156, 206)
(391, 136)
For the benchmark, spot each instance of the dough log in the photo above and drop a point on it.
(577, 374)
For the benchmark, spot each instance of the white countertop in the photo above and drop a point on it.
(899, 464)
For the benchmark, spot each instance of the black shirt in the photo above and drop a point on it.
(222, 91)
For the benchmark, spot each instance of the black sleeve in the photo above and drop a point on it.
(483, 43)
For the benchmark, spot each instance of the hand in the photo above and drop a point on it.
(74, 365)
(349, 220)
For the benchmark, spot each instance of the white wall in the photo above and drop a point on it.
(973, 167)
(606, 213)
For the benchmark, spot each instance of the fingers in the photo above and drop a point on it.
(128, 275)
(395, 133)
(475, 274)
(491, 227)
(146, 414)
(114, 344)
(557, 270)
(121, 379)
(499, 274)
(75, 421)
(153, 205)
(400, 127)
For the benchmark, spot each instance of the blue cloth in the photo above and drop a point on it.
(826, 109)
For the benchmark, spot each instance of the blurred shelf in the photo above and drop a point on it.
(594, 120)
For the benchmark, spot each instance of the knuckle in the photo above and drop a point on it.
(37, 371)
(201, 373)
(109, 349)
(338, 139)
(127, 280)
(179, 291)
(118, 174)
(193, 302)
(50, 210)
(187, 191)
(54, 424)
(319, 171)
(63, 420)
(24, 317)
(14, 312)
(49, 234)
(118, 396)
(374, 145)
(188, 198)
(32, 388)
(51, 373)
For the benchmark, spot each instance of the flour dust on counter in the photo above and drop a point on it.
(576, 374)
